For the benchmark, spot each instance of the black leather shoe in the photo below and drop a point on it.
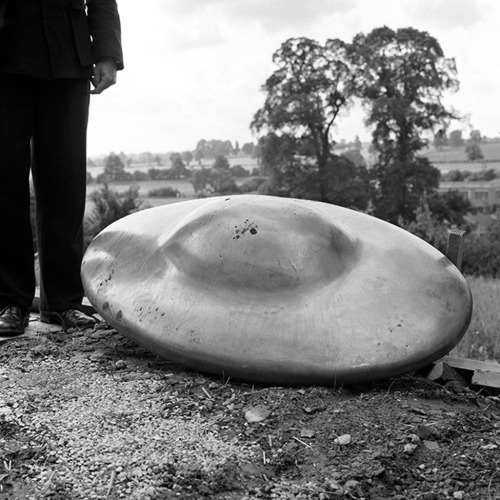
(13, 321)
(71, 318)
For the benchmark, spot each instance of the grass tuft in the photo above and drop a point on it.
(482, 340)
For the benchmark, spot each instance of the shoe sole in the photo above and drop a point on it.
(11, 333)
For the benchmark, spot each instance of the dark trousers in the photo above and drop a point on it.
(43, 125)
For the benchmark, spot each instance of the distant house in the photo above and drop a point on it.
(479, 193)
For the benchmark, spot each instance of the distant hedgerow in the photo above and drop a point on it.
(165, 192)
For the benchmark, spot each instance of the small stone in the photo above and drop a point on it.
(456, 387)
(423, 431)
(307, 433)
(351, 484)
(120, 364)
(150, 491)
(41, 350)
(257, 414)
(489, 447)
(414, 439)
(431, 445)
(97, 356)
(343, 440)
(409, 449)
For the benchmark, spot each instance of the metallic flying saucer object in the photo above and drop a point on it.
(277, 290)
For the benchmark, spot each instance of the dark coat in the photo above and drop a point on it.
(58, 38)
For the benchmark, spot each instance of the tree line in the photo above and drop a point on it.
(204, 150)
(472, 146)
(116, 171)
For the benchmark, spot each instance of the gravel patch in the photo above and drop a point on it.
(97, 430)
(90, 415)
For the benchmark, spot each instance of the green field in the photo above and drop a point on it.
(469, 167)
(482, 340)
(145, 187)
(491, 152)
(183, 186)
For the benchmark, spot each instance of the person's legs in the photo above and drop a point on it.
(59, 174)
(17, 277)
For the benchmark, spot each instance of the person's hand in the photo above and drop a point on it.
(104, 75)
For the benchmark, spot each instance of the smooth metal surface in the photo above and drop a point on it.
(277, 290)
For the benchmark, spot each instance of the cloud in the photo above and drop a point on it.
(194, 68)
(273, 16)
(196, 34)
(446, 14)
(280, 15)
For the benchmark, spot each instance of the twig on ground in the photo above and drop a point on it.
(390, 387)
(207, 393)
(49, 480)
(111, 483)
(490, 483)
(302, 442)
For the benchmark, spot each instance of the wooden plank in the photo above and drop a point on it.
(477, 374)
(487, 379)
(470, 364)
(455, 247)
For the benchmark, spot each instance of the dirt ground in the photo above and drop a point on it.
(64, 434)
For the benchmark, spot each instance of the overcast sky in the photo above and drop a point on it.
(194, 68)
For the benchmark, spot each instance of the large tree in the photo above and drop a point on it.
(114, 170)
(212, 149)
(473, 148)
(473, 152)
(304, 96)
(401, 77)
(456, 139)
(400, 188)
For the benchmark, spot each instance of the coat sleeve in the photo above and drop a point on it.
(105, 29)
